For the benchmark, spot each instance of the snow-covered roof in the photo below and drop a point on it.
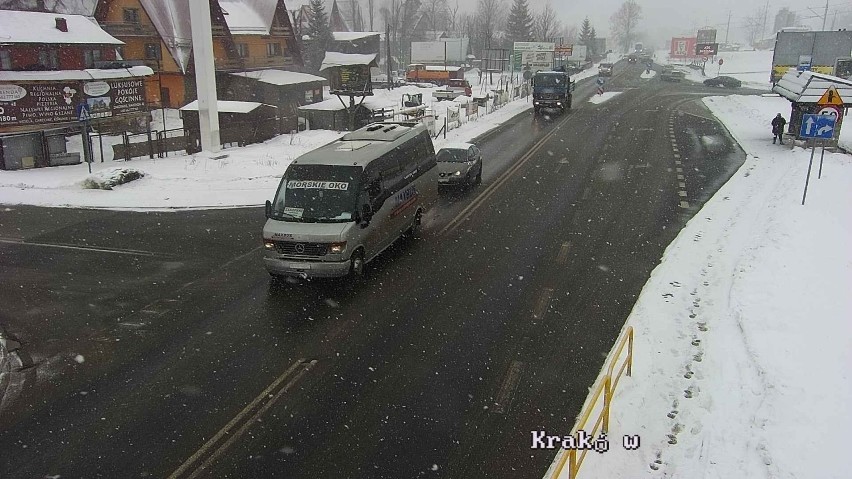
(808, 87)
(280, 77)
(337, 59)
(171, 19)
(88, 74)
(226, 106)
(37, 27)
(71, 7)
(352, 36)
(245, 17)
(456, 146)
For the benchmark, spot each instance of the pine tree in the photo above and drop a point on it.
(592, 41)
(319, 33)
(586, 32)
(519, 25)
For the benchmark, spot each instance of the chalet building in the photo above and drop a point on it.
(57, 70)
(247, 35)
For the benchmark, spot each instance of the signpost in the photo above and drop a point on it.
(815, 127)
(831, 106)
(83, 116)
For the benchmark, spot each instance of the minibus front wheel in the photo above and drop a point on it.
(356, 264)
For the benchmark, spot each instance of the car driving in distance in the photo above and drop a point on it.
(724, 81)
(670, 73)
(605, 69)
(339, 206)
(459, 164)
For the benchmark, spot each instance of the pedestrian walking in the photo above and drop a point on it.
(778, 128)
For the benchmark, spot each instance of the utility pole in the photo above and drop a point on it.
(765, 14)
(825, 15)
(728, 28)
(205, 75)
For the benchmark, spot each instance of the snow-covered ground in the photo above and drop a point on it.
(648, 74)
(750, 67)
(743, 339)
(607, 95)
(247, 176)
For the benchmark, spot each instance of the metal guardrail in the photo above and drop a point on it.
(607, 387)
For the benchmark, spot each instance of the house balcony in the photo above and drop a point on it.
(123, 29)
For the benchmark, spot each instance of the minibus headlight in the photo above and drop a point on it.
(268, 244)
(335, 248)
(458, 173)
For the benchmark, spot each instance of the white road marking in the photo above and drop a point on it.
(95, 249)
(562, 257)
(684, 204)
(507, 388)
(682, 193)
(680, 177)
(543, 303)
(682, 185)
(679, 170)
(271, 398)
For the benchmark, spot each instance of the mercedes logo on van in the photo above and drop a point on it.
(300, 248)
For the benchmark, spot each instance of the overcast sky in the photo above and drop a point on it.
(662, 19)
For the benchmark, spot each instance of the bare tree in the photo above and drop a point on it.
(371, 12)
(452, 17)
(624, 22)
(547, 25)
(753, 25)
(435, 14)
(489, 16)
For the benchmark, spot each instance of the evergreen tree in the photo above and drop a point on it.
(519, 25)
(592, 41)
(319, 33)
(586, 32)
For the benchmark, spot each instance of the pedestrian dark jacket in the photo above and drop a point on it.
(778, 125)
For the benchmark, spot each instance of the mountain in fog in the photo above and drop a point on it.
(76, 7)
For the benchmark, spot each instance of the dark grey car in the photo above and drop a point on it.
(459, 164)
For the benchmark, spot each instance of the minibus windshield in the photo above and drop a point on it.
(317, 194)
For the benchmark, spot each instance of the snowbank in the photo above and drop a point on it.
(743, 338)
(245, 176)
(602, 98)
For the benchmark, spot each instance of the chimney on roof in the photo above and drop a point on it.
(61, 24)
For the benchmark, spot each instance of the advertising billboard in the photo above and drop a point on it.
(683, 48)
(42, 103)
(706, 35)
(533, 55)
(706, 49)
(351, 79)
(449, 50)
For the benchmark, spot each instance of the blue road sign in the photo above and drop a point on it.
(83, 112)
(817, 126)
(600, 81)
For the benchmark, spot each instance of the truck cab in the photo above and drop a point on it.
(552, 89)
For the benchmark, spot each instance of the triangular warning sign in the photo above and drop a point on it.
(830, 97)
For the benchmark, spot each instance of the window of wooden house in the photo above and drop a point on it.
(242, 50)
(90, 57)
(309, 96)
(131, 15)
(49, 59)
(152, 51)
(273, 50)
(5, 60)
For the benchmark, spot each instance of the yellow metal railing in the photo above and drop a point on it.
(607, 387)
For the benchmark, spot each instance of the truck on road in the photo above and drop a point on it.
(552, 89)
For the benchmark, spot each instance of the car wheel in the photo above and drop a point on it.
(357, 265)
(478, 180)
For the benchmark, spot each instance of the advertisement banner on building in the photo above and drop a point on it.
(683, 47)
(43, 103)
(706, 49)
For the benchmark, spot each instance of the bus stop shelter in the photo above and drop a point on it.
(805, 89)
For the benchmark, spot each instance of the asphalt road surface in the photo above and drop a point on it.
(156, 345)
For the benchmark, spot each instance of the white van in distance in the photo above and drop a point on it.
(339, 206)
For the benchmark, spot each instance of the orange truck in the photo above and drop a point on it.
(438, 75)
